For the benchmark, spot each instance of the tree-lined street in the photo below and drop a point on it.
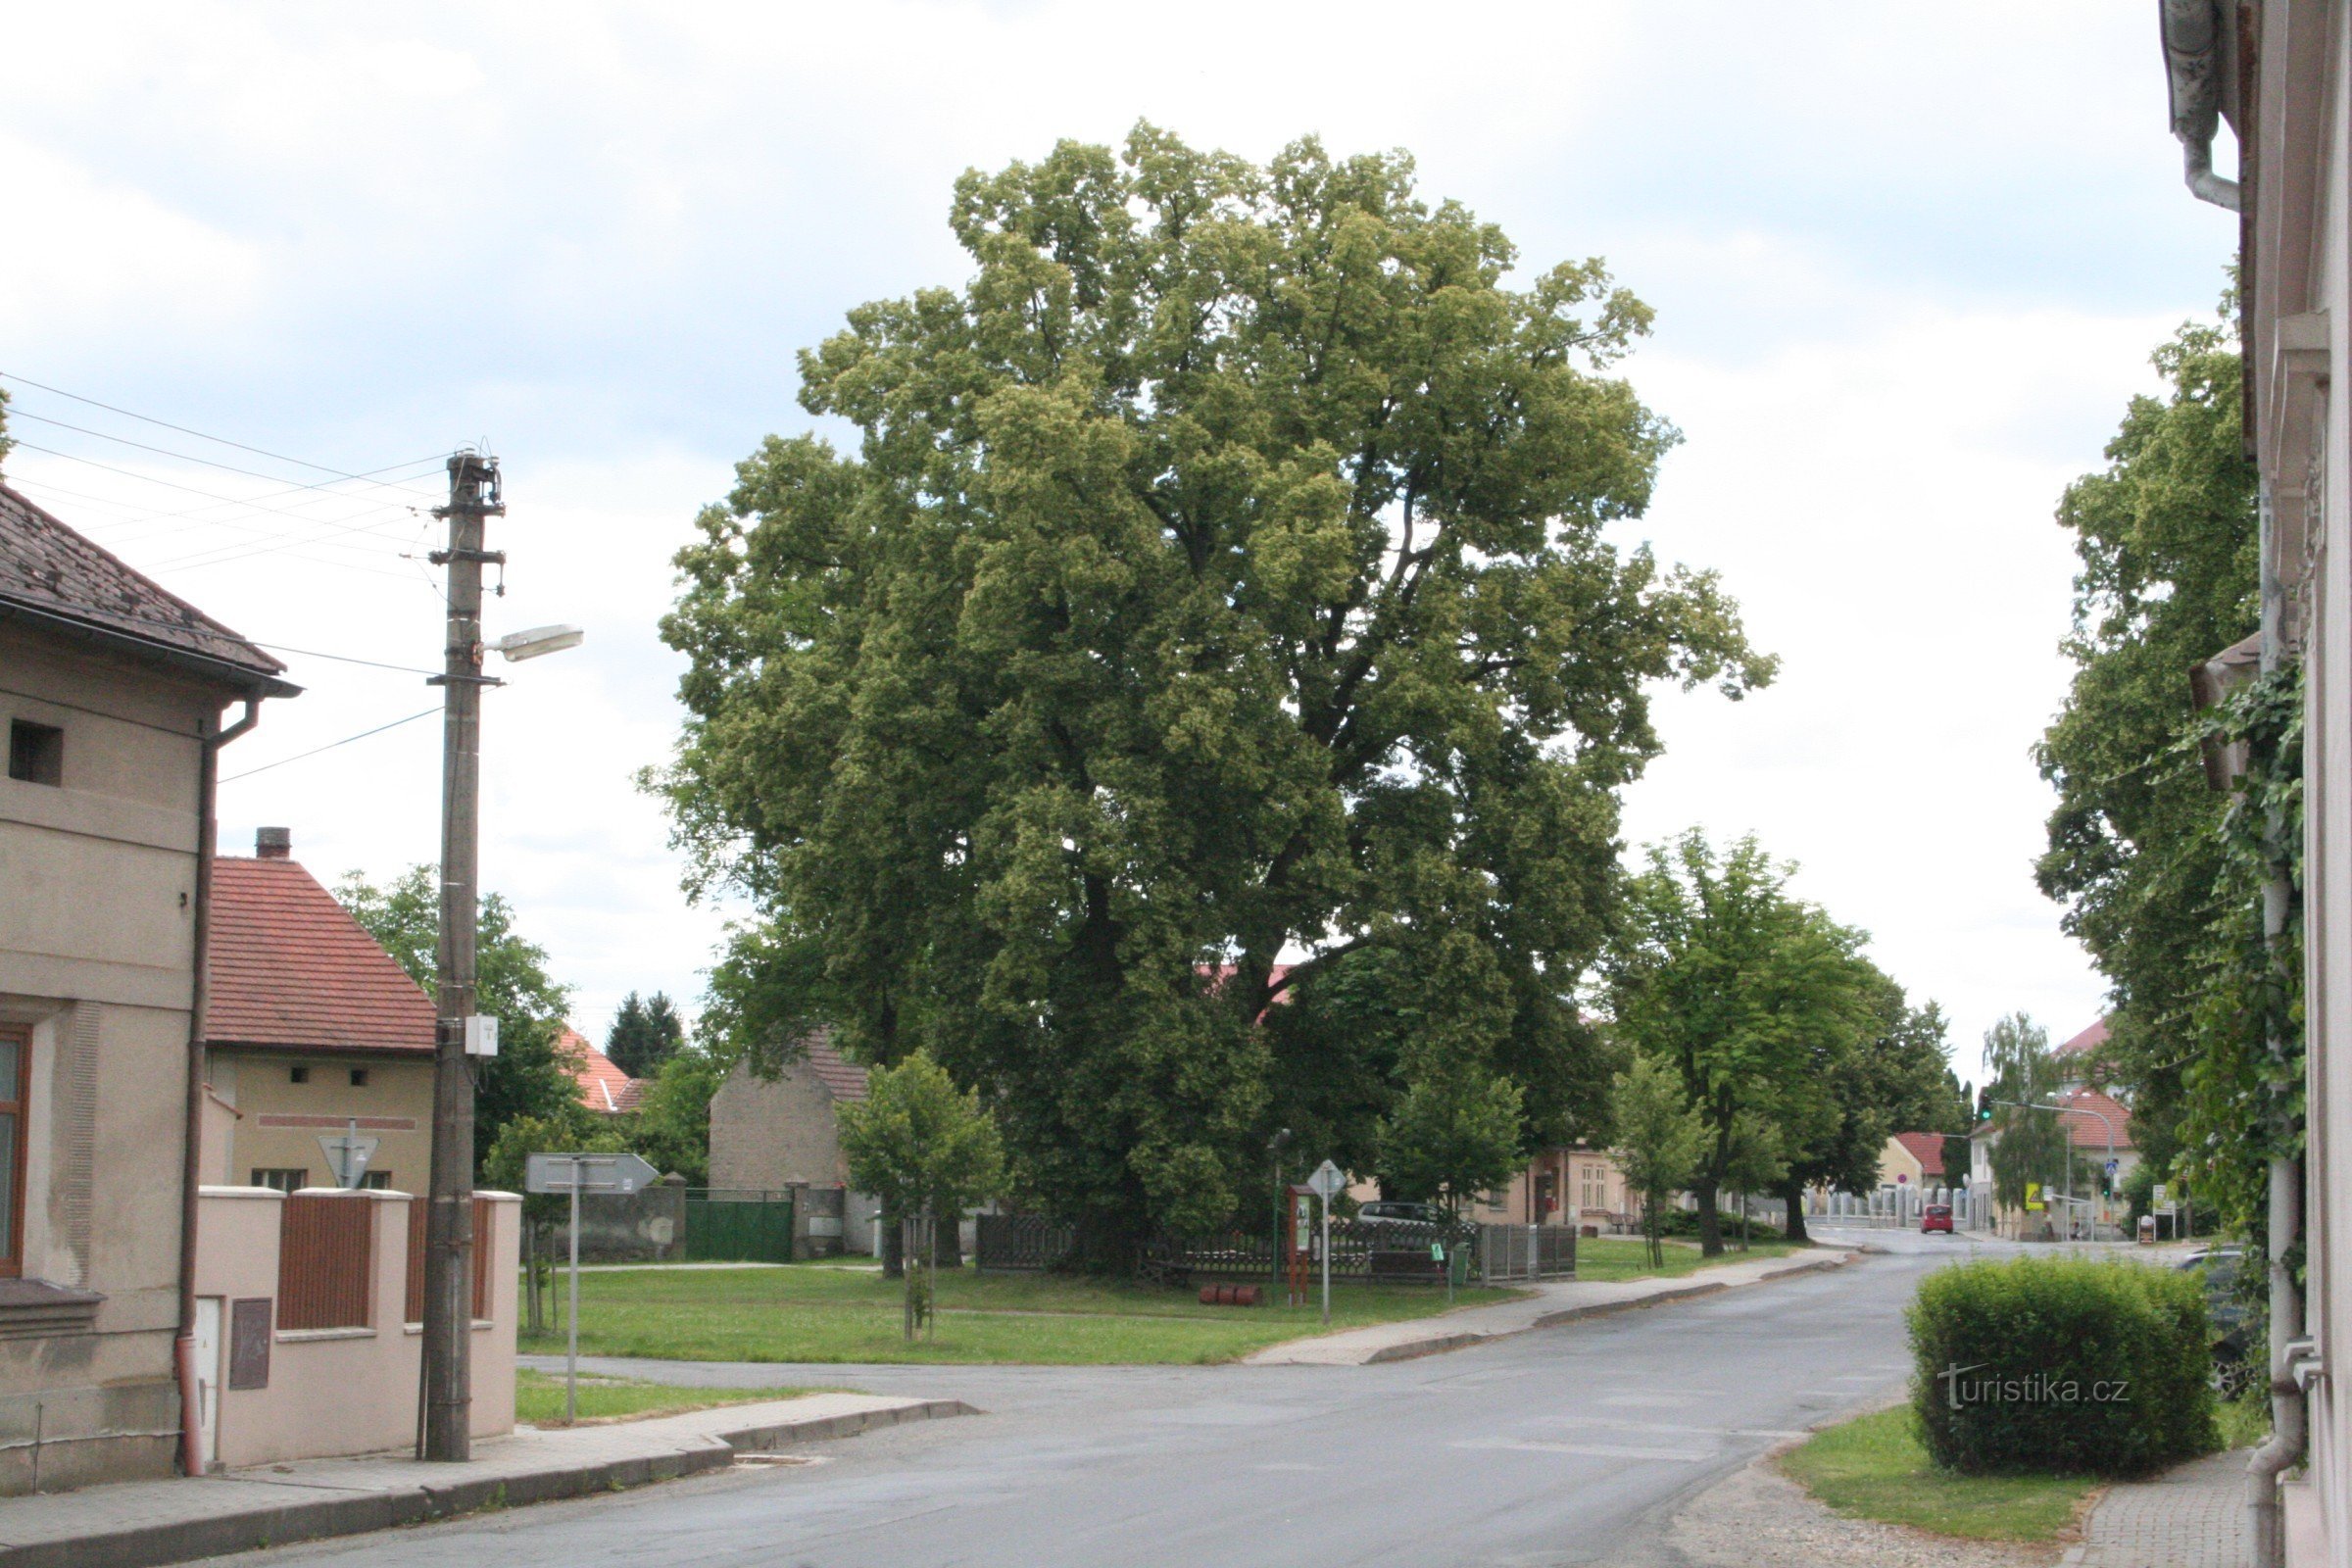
(1564, 1446)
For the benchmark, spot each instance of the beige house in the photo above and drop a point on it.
(2279, 73)
(1570, 1185)
(783, 1133)
(314, 1033)
(113, 691)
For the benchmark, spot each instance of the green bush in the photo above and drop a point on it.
(1682, 1225)
(2064, 1366)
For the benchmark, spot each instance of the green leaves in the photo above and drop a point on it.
(1760, 1004)
(1218, 572)
(919, 1145)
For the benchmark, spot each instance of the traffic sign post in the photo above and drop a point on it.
(577, 1174)
(1327, 1181)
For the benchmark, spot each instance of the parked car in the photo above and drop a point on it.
(1387, 1214)
(1935, 1218)
(2233, 1334)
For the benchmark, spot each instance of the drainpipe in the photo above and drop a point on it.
(2284, 1449)
(2200, 48)
(208, 828)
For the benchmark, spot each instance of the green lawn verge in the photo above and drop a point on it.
(1875, 1467)
(832, 1314)
(1627, 1258)
(539, 1398)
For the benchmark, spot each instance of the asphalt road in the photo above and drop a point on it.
(1567, 1446)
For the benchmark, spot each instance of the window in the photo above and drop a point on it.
(376, 1181)
(359, 1077)
(37, 752)
(16, 1072)
(284, 1178)
(298, 1075)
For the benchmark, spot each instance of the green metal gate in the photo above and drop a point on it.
(738, 1227)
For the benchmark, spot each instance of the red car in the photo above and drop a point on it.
(1935, 1218)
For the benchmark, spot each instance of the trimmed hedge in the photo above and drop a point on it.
(2067, 1366)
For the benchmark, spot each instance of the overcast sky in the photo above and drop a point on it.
(1908, 263)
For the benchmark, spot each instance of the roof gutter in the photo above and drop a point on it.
(2200, 61)
(257, 683)
(208, 829)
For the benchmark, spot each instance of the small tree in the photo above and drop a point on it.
(1659, 1140)
(672, 1127)
(920, 1147)
(1754, 1162)
(1452, 1136)
(571, 1129)
(2034, 1146)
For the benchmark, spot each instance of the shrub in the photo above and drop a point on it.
(2061, 1366)
(1682, 1225)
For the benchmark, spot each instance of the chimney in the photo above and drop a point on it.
(273, 843)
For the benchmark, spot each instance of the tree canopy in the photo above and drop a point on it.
(2166, 536)
(1758, 1002)
(644, 1034)
(527, 1078)
(1221, 570)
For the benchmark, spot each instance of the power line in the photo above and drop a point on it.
(126, 520)
(208, 495)
(342, 659)
(331, 745)
(327, 485)
(219, 440)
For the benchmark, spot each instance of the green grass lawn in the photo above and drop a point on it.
(1627, 1258)
(1876, 1468)
(833, 1315)
(539, 1398)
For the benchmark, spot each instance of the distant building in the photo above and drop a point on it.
(783, 1133)
(602, 1086)
(313, 1031)
(1569, 1184)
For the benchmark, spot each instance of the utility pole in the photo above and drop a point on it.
(446, 1395)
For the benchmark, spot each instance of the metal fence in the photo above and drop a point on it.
(1021, 1244)
(419, 1209)
(1507, 1252)
(325, 1261)
(738, 1226)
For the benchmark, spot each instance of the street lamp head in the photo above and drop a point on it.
(521, 645)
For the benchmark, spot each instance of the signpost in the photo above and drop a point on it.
(1327, 1181)
(577, 1174)
(348, 1155)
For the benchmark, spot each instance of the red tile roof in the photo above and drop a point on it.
(1927, 1148)
(841, 1076)
(604, 1087)
(290, 967)
(2088, 1132)
(2089, 1039)
(53, 573)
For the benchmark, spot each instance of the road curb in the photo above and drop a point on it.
(1462, 1339)
(151, 1546)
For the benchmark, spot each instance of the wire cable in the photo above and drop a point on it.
(219, 440)
(327, 485)
(331, 745)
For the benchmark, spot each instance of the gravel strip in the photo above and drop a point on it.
(1759, 1518)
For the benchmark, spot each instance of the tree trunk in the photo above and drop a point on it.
(894, 1248)
(1793, 1194)
(534, 1246)
(1710, 1221)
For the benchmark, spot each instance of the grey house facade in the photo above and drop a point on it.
(113, 693)
(783, 1133)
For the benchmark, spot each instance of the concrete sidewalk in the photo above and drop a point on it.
(2193, 1516)
(1548, 1303)
(140, 1524)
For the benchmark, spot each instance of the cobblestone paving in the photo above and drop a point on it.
(2191, 1517)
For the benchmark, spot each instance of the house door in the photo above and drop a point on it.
(208, 1376)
